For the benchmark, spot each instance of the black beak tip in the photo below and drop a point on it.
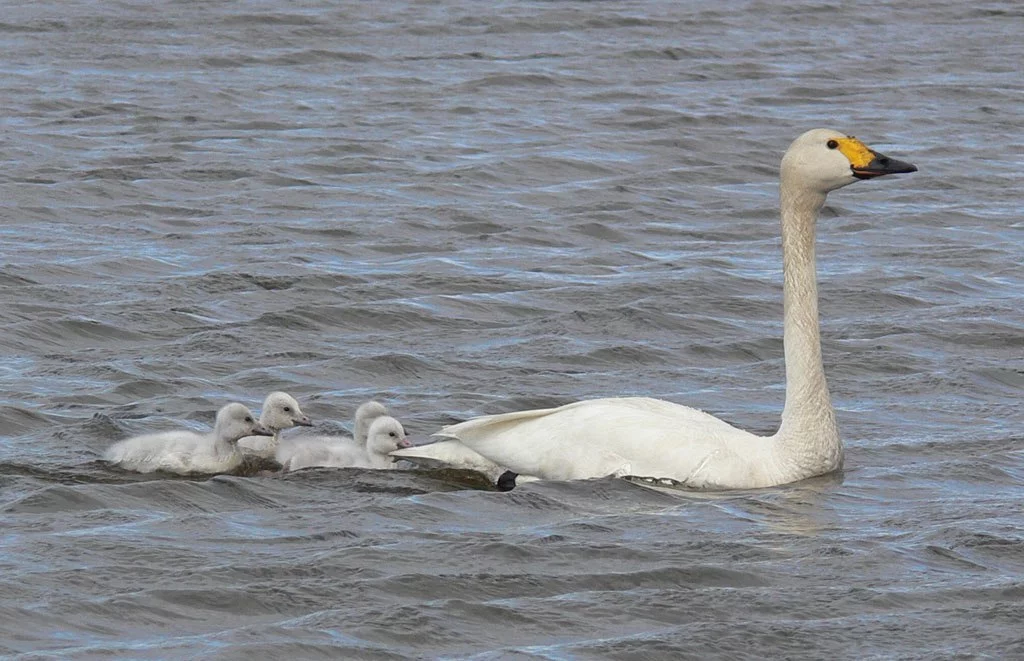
(883, 165)
(507, 481)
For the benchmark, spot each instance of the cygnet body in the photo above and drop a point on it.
(184, 451)
(280, 411)
(308, 448)
(385, 434)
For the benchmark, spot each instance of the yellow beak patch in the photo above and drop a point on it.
(856, 151)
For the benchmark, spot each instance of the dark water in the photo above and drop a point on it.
(465, 208)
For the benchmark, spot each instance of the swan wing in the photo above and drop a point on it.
(615, 436)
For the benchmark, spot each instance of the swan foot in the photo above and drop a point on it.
(507, 481)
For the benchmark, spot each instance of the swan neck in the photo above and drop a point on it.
(808, 416)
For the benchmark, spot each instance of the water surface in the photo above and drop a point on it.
(463, 208)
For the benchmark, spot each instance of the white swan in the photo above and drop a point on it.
(384, 435)
(280, 411)
(185, 451)
(653, 438)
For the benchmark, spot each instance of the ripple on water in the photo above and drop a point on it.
(464, 209)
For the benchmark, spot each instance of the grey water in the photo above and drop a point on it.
(463, 208)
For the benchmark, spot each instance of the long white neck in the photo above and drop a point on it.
(808, 437)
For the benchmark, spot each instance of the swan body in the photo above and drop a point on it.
(367, 448)
(620, 436)
(653, 438)
(280, 411)
(184, 451)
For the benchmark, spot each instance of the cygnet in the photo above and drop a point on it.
(280, 411)
(385, 435)
(184, 451)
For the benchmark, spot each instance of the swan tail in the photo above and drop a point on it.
(450, 453)
(523, 444)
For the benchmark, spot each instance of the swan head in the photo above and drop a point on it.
(386, 435)
(281, 411)
(824, 160)
(365, 415)
(236, 421)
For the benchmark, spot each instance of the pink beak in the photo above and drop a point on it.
(405, 443)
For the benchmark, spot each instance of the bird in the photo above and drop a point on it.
(647, 437)
(185, 451)
(280, 411)
(338, 451)
(364, 417)
(384, 435)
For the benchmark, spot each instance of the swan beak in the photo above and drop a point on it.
(866, 163)
(881, 165)
(259, 430)
(303, 422)
(405, 443)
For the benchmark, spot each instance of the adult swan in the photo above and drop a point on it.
(653, 438)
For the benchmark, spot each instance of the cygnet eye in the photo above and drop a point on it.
(392, 434)
(287, 409)
(248, 419)
(831, 144)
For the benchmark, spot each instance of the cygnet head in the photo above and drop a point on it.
(235, 421)
(386, 435)
(281, 411)
(822, 160)
(365, 415)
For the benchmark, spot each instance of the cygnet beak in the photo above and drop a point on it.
(303, 421)
(259, 430)
(404, 443)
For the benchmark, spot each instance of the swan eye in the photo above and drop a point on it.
(391, 434)
(248, 419)
(287, 409)
(831, 144)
